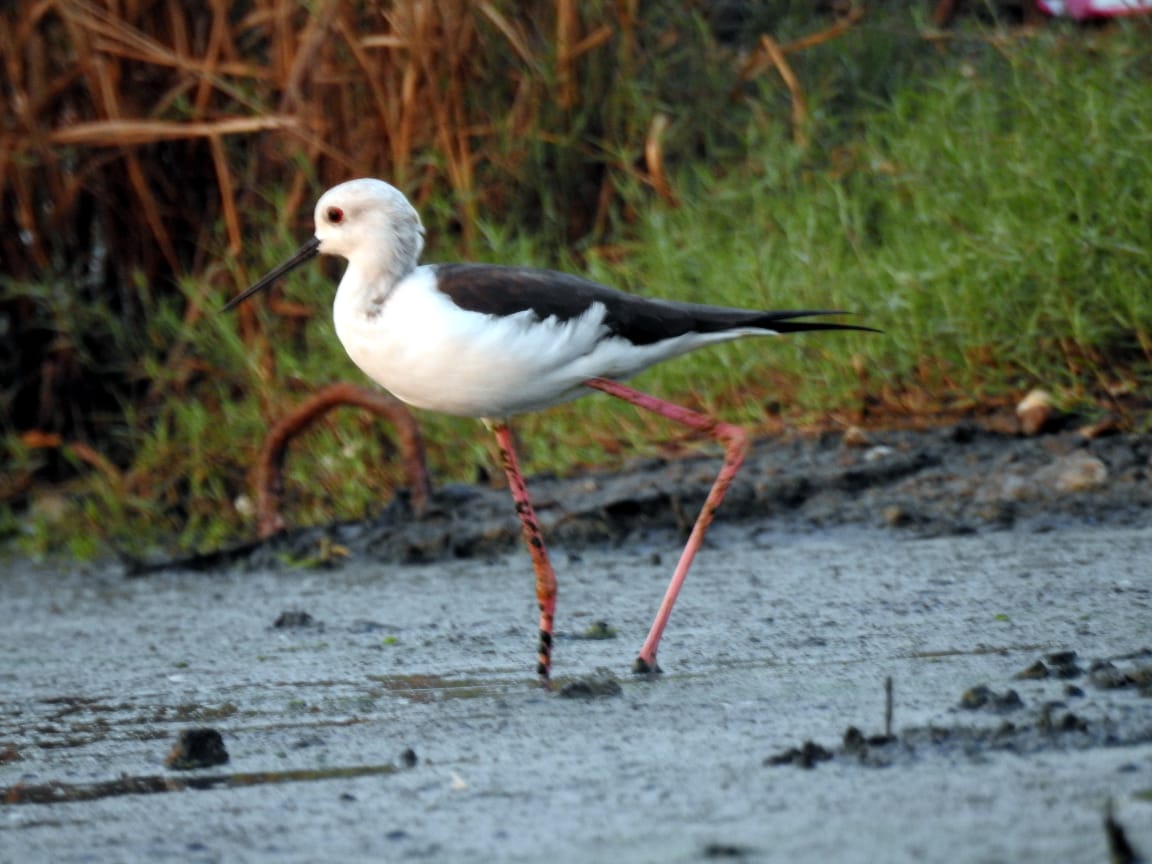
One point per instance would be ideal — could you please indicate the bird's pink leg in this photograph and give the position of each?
(545, 577)
(735, 442)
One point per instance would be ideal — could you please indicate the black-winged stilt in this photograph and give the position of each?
(486, 341)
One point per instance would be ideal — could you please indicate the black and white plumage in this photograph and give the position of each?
(481, 340)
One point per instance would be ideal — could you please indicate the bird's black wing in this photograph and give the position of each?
(498, 290)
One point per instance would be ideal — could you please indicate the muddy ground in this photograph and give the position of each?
(1002, 584)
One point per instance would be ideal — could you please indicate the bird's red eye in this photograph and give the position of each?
(335, 215)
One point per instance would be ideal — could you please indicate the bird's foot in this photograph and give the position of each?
(651, 668)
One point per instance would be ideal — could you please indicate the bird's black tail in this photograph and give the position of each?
(783, 322)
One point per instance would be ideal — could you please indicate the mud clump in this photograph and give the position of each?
(807, 755)
(197, 748)
(599, 686)
(290, 618)
(982, 696)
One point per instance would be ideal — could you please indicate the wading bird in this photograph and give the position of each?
(485, 341)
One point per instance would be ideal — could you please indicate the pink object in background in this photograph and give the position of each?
(1094, 8)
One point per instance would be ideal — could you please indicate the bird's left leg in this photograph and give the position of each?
(545, 577)
(735, 441)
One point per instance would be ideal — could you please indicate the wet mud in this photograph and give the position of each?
(959, 479)
(935, 646)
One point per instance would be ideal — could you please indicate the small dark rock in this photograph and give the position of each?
(591, 688)
(308, 741)
(1009, 700)
(1034, 672)
(1105, 675)
(1054, 719)
(854, 740)
(1141, 677)
(861, 746)
(805, 756)
(197, 748)
(1073, 723)
(975, 697)
(983, 696)
(811, 753)
(599, 630)
(964, 432)
(724, 850)
(294, 618)
(896, 516)
(1064, 664)
(1005, 730)
(409, 758)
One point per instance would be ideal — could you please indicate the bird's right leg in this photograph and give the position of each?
(534, 540)
(735, 442)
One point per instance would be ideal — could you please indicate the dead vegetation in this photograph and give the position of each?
(131, 128)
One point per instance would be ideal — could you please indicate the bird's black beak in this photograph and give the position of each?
(303, 255)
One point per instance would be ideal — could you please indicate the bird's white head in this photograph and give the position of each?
(369, 217)
(370, 223)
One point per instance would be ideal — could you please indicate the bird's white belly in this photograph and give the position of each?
(431, 354)
(469, 381)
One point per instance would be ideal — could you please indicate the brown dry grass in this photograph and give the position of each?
(154, 116)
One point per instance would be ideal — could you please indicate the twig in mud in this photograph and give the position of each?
(888, 707)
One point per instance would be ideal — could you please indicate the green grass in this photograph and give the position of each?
(988, 211)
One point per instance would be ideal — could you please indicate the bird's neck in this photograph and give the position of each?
(369, 281)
